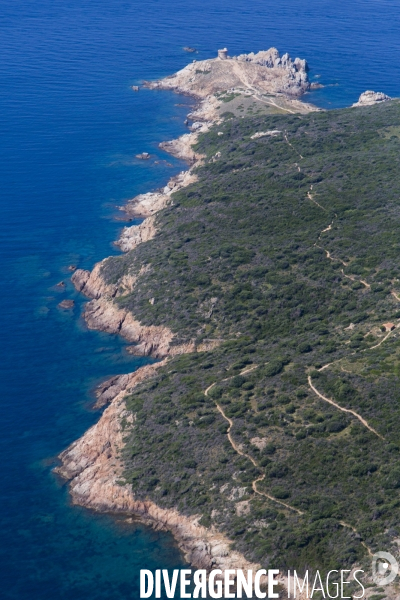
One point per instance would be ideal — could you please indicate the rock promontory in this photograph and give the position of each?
(369, 97)
(262, 72)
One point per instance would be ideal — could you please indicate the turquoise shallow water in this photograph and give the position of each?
(70, 126)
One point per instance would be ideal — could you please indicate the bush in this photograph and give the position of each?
(273, 368)
(304, 347)
(238, 381)
(280, 492)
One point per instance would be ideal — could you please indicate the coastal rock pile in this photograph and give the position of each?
(369, 97)
(272, 59)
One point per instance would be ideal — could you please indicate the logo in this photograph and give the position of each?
(384, 568)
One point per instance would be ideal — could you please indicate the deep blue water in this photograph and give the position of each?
(70, 126)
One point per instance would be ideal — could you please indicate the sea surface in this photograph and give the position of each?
(70, 126)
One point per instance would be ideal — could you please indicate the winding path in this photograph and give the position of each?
(328, 255)
(248, 456)
(345, 410)
(256, 94)
(314, 389)
(310, 197)
(255, 463)
(381, 342)
(354, 278)
(293, 148)
(344, 524)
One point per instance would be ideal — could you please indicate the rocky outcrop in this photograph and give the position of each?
(264, 72)
(145, 205)
(272, 59)
(66, 304)
(182, 146)
(109, 389)
(94, 467)
(368, 98)
(136, 234)
(102, 314)
(92, 284)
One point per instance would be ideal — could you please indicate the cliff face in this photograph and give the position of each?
(92, 284)
(264, 72)
(93, 466)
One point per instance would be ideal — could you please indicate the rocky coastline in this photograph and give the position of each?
(92, 464)
(93, 467)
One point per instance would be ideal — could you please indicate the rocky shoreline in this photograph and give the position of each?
(92, 464)
(93, 467)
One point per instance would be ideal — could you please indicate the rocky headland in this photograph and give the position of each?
(262, 72)
(93, 464)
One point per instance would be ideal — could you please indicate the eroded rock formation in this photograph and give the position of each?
(369, 97)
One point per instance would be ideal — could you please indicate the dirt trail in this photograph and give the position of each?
(255, 463)
(354, 278)
(254, 486)
(346, 410)
(241, 453)
(328, 255)
(381, 342)
(327, 229)
(272, 103)
(291, 145)
(344, 524)
(309, 196)
(243, 78)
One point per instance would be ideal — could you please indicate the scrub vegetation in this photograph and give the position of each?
(286, 254)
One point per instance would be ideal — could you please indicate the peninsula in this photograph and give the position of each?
(266, 279)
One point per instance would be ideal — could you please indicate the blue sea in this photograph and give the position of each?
(70, 127)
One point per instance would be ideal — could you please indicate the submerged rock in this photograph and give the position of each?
(66, 304)
(143, 156)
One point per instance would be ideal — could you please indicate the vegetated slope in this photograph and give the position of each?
(286, 251)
